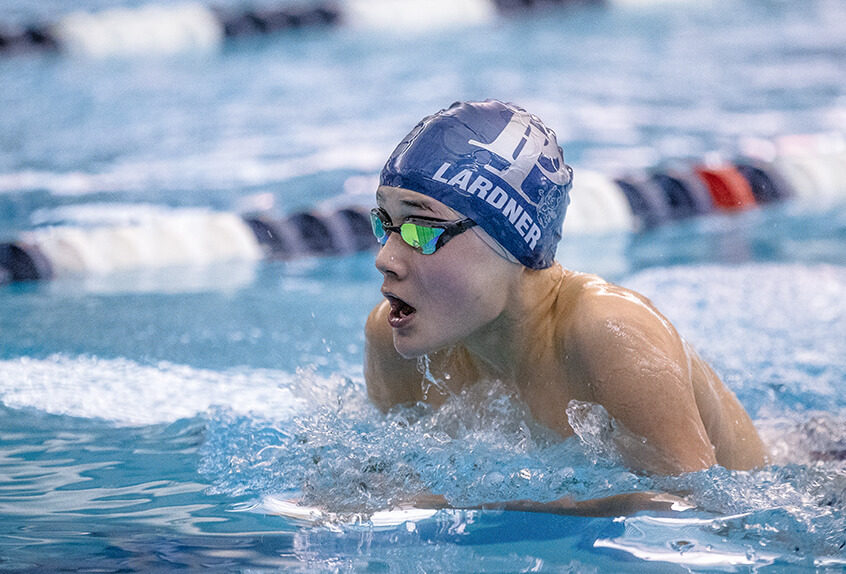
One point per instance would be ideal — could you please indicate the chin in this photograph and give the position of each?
(412, 348)
(408, 349)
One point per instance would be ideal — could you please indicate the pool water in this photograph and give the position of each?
(153, 419)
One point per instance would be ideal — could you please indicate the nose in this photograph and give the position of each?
(392, 257)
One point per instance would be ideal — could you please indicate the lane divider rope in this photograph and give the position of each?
(599, 204)
(171, 28)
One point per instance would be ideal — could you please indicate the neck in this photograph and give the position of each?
(502, 347)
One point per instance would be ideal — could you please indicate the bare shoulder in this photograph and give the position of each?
(614, 334)
(627, 357)
(602, 314)
(391, 379)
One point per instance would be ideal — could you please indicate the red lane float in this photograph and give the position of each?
(729, 189)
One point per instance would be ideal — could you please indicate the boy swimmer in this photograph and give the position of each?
(470, 210)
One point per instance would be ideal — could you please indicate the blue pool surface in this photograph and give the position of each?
(153, 419)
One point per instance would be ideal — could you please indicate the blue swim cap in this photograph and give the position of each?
(495, 163)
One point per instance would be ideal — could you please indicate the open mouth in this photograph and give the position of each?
(401, 311)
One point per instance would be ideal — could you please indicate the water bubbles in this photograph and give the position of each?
(593, 425)
(816, 437)
(429, 380)
(480, 446)
(494, 479)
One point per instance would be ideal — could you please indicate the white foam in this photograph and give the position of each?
(152, 29)
(418, 15)
(157, 239)
(127, 393)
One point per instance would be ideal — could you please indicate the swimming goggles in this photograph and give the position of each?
(423, 234)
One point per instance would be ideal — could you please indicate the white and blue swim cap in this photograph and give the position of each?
(496, 164)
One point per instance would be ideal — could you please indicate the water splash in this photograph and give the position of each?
(595, 427)
(429, 380)
(480, 446)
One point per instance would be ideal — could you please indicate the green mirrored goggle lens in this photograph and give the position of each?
(420, 237)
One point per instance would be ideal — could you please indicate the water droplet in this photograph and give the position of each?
(429, 379)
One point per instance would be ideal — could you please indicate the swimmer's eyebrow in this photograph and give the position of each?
(414, 204)
(408, 203)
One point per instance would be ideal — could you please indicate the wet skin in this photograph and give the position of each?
(554, 336)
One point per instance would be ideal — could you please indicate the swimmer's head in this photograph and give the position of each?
(496, 164)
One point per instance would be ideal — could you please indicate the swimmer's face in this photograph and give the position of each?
(447, 297)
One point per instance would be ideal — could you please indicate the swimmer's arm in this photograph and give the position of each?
(633, 363)
(390, 378)
(616, 505)
(736, 441)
